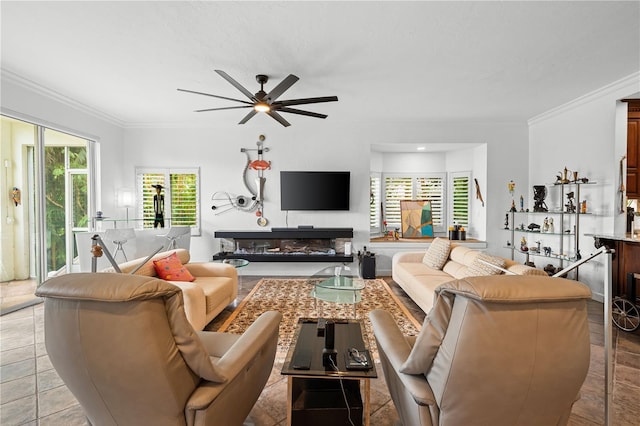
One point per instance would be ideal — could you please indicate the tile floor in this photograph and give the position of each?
(31, 393)
(15, 295)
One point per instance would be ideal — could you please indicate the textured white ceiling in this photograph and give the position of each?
(386, 61)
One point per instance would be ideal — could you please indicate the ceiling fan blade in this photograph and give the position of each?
(248, 116)
(223, 108)
(301, 112)
(306, 101)
(281, 87)
(280, 119)
(237, 85)
(215, 96)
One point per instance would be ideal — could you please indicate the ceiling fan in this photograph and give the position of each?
(267, 102)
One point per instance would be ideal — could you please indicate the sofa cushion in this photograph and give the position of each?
(171, 269)
(520, 269)
(437, 253)
(478, 268)
(148, 269)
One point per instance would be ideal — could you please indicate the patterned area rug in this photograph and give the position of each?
(292, 297)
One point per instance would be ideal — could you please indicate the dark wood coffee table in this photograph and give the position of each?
(315, 395)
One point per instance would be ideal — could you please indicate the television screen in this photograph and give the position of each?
(314, 190)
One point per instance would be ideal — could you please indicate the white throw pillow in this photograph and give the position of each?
(437, 253)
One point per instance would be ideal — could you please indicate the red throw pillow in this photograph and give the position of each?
(171, 269)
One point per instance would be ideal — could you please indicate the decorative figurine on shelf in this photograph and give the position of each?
(158, 207)
(547, 251)
(523, 244)
(571, 207)
(512, 187)
(539, 194)
(513, 206)
(583, 206)
(533, 227)
(551, 228)
(396, 234)
(506, 221)
(521, 204)
(545, 225)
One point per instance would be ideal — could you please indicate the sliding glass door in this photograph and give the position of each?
(51, 171)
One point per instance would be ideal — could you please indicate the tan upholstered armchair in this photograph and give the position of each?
(123, 346)
(498, 350)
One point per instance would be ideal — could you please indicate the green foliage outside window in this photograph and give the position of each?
(56, 159)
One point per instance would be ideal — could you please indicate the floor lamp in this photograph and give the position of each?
(125, 197)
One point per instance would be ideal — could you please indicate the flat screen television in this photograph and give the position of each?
(314, 190)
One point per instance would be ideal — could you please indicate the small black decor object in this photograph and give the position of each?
(158, 207)
(534, 227)
(329, 354)
(539, 194)
(571, 206)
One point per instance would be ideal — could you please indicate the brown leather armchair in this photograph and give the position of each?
(493, 350)
(123, 346)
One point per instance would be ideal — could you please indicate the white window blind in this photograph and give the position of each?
(181, 189)
(460, 197)
(375, 214)
(432, 189)
(395, 190)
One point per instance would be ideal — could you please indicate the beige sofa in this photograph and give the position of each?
(419, 281)
(215, 285)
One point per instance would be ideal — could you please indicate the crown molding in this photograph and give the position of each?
(632, 82)
(32, 86)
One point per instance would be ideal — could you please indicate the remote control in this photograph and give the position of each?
(302, 359)
(322, 323)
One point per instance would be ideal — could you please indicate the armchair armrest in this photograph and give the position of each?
(242, 352)
(194, 303)
(212, 269)
(396, 348)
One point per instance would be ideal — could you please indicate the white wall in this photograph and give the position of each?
(315, 145)
(586, 136)
(414, 162)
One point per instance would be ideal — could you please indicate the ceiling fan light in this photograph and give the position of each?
(262, 107)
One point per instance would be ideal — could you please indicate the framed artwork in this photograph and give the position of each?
(417, 221)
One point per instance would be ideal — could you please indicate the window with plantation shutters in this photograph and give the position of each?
(414, 187)
(460, 198)
(181, 189)
(375, 214)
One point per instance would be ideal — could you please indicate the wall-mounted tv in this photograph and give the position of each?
(314, 190)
